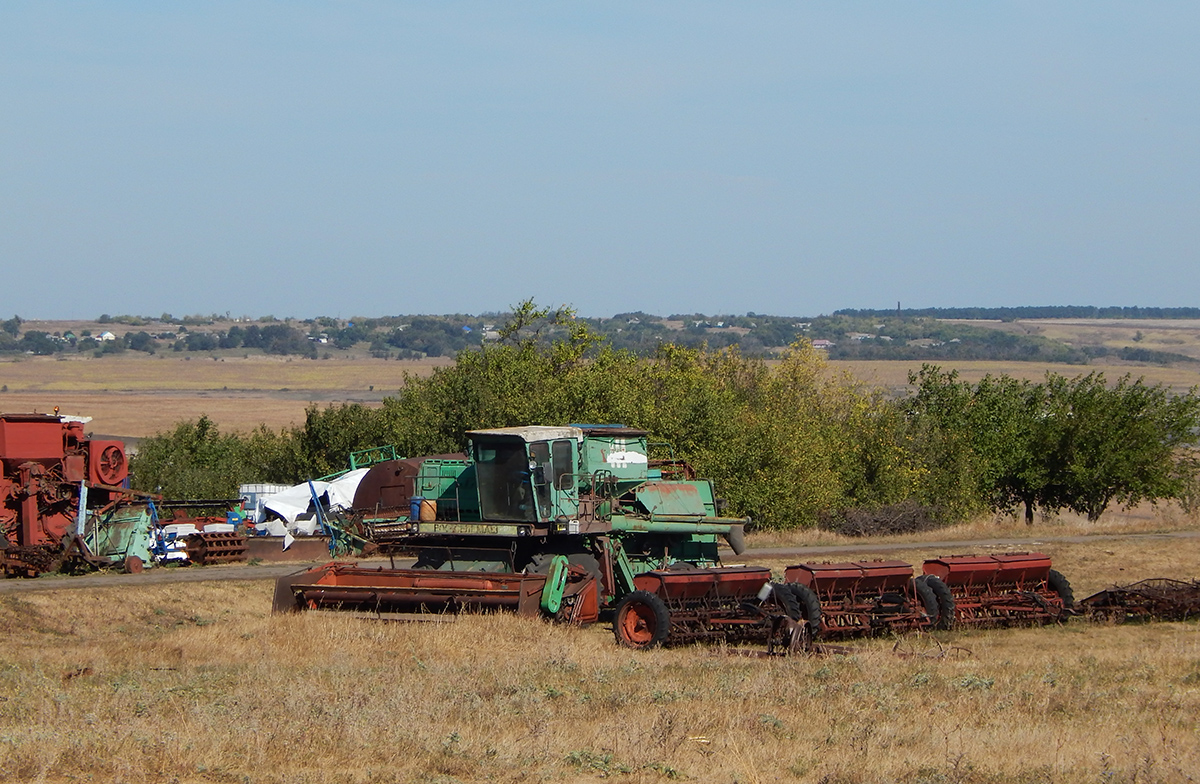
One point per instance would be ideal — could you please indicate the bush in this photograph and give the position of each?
(906, 517)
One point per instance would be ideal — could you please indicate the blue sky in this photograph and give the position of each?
(374, 158)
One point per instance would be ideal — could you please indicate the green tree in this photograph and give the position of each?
(192, 461)
(1124, 443)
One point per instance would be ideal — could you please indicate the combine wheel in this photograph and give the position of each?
(1062, 587)
(133, 565)
(810, 605)
(945, 600)
(641, 621)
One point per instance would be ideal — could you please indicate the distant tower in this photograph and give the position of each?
(897, 308)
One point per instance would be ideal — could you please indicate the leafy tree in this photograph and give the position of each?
(1121, 443)
(192, 461)
(12, 326)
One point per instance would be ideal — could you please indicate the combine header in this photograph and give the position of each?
(574, 521)
(1001, 590)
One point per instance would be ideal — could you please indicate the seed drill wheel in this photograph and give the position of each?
(787, 600)
(944, 615)
(641, 621)
(808, 604)
(1062, 587)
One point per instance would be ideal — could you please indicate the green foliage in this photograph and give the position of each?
(1065, 443)
(192, 461)
(784, 445)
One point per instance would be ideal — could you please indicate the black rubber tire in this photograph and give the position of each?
(810, 605)
(787, 600)
(945, 600)
(641, 621)
(1061, 586)
(928, 600)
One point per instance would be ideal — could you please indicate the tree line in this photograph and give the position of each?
(789, 445)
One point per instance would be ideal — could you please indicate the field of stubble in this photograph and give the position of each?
(199, 682)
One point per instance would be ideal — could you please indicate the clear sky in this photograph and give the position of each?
(373, 158)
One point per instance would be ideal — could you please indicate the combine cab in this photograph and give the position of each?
(866, 597)
(1002, 590)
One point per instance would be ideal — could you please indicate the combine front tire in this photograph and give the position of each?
(641, 621)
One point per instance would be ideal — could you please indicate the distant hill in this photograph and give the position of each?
(1033, 334)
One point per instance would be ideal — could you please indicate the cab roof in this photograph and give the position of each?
(531, 433)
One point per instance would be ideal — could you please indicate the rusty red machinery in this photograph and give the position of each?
(863, 598)
(732, 605)
(52, 477)
(1001, 590)
(1159, 599)
(565, 593)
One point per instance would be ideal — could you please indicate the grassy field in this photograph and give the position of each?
(1179, 336)
(199, 683)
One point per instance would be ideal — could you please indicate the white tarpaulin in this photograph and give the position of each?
(297, 501)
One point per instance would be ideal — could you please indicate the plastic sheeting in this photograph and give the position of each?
(296, 502)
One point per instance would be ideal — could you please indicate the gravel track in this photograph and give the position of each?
(271, 571)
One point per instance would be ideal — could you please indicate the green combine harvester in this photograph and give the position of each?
(569, 522)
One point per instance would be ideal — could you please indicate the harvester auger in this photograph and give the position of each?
(538, 518)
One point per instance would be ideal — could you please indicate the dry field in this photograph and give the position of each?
(138, 396)
(1180, 336)
(199, 683)
(135, 395)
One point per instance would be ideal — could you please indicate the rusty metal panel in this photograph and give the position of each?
(667, 499)
(30, 437)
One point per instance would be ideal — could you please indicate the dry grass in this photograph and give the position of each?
(198, 682)
(137, 396)
(133, 372)
(1145, 518)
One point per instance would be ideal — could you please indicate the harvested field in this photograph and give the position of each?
(198, 682)
(137, 396)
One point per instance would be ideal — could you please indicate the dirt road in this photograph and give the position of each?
(274, 570)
